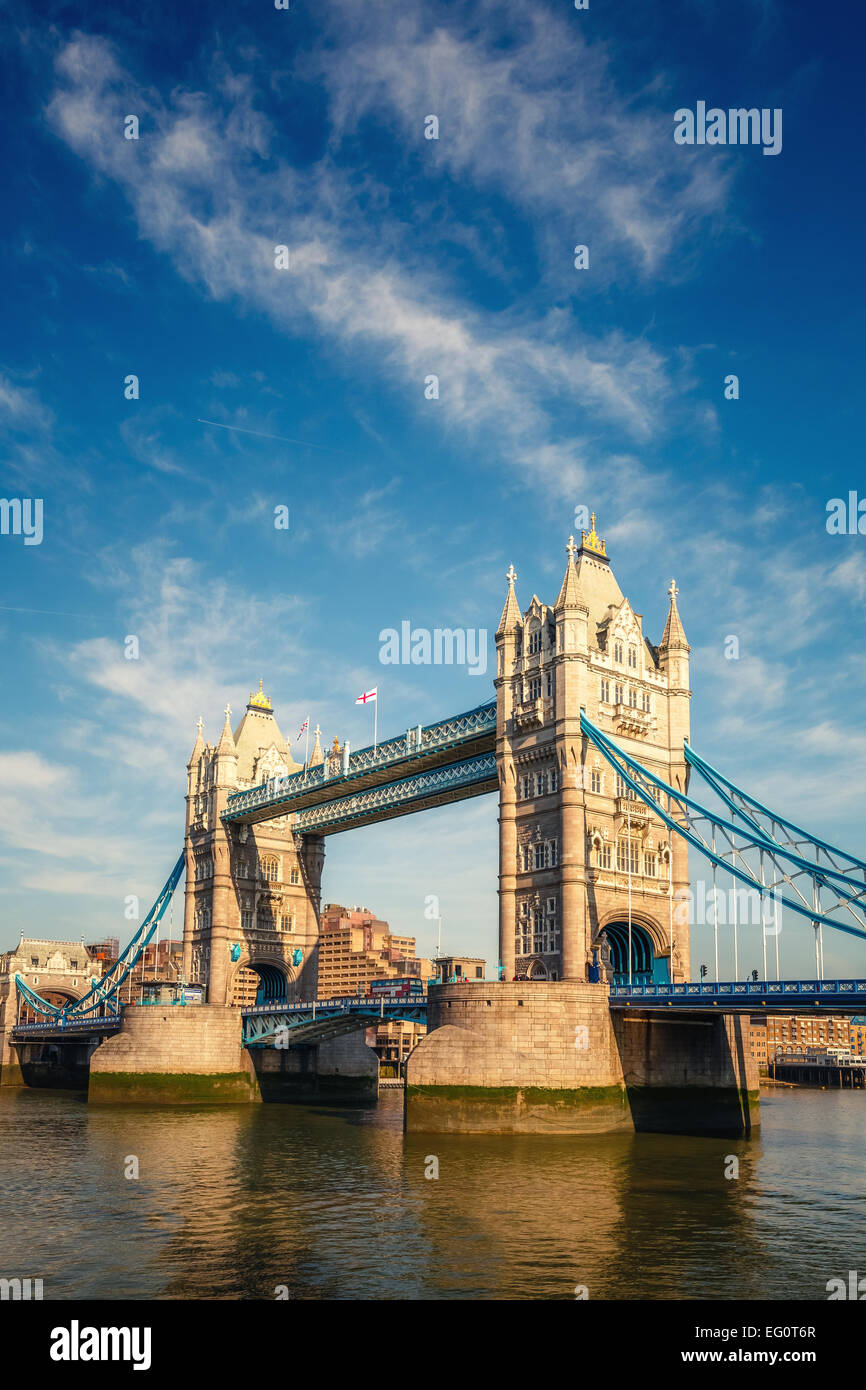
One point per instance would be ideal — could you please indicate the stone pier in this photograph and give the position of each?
(174, 1056)
(550, 1057)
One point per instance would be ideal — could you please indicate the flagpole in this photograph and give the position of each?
(375, 719)
(307, 753)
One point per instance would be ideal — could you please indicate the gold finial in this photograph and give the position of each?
(260, 700)
(590, 540)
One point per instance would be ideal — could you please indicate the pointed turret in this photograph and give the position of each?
(674, 637)
(198, 746)
(570, 595)
(511, 615)
(226, 745)
(316, 757)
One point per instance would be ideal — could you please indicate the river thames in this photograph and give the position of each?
(319, 1203)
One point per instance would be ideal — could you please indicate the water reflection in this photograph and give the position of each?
(232, 1202)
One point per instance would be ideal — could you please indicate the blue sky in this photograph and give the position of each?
(558, 388)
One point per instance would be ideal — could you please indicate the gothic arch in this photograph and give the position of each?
(275, 974)
(657, 932)
(650, 956)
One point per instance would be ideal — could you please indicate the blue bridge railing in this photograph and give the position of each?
(744, 993)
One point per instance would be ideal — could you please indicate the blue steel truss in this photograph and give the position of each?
(774, 827)
(469, 777)
(824, 894)
(745, 995)
(419, 744)
(302, 1024)
(103, 995)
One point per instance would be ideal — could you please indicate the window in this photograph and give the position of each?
(534, 640)
(294, 874)
(527, 858)
(595, 780)
(617, 694)
(649, 864)
(73, 965)
(539, 855)
(270, 869)
(627, 852)
(554, 779)
(549, 684)
(246, 921)
(527, 787)
(632, 697)
(604, 856)
(617, 651)
(605, 692)
(646, 702)
(541, 784)
(34, 960)
(552, 853)
(632, 658)
(535, 688)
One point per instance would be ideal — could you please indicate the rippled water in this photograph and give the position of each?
(232, 1202)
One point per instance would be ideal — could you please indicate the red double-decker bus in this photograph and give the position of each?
(405, 987)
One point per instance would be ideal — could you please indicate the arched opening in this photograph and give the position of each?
(537, 971)
(52, 995)
(646, 967)
(271, 986)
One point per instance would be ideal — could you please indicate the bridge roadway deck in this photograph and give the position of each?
(326, 1018)
(422, 749)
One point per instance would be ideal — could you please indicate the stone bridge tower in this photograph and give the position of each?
(584, 867)
(252, 891)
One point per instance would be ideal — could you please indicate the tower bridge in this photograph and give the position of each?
(595, 1021)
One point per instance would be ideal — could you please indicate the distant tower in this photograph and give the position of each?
(252, 891)
(575, 849)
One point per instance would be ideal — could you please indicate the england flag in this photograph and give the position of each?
(368, 696)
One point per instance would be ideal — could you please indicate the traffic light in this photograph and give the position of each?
(754, 974)
(704, 969)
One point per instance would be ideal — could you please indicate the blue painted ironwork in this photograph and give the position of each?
(772, 826)
(744, 995)
(103, 994)
(425, 745)
(833, 899)
(66, 1027)
(306, 1022)
(472, 776)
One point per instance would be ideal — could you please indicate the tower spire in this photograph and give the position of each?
(227, 742)
(511, 615)
(570, 595)
(198, 746)
(674, 637)
(316, 756)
